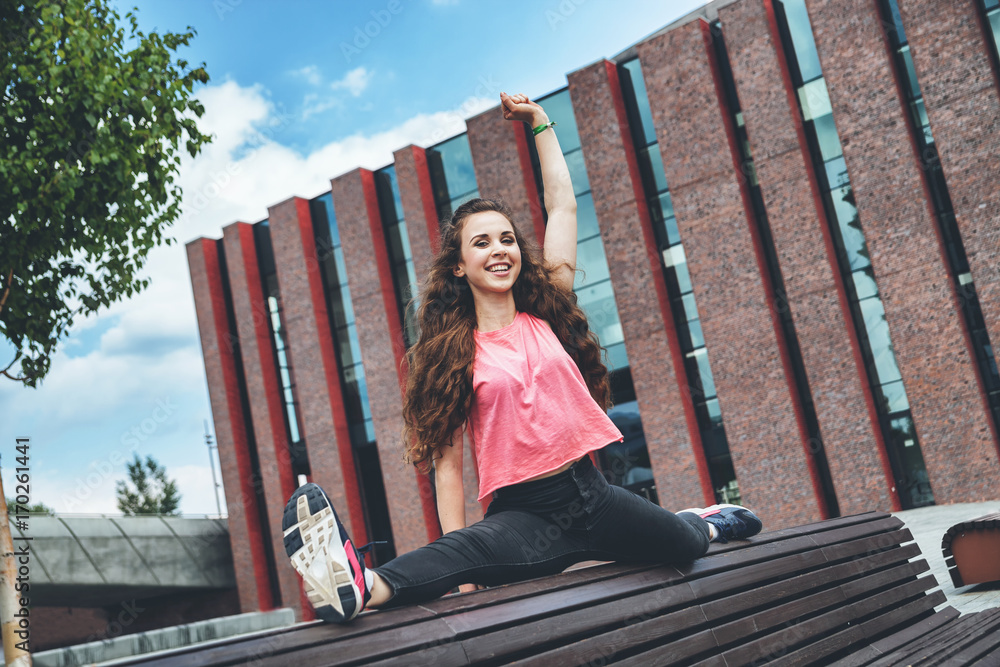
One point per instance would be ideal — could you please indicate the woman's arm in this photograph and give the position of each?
(450, 488)
(559, 248)
(451, 491)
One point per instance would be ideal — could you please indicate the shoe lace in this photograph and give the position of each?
(729, 526)
(368, 547)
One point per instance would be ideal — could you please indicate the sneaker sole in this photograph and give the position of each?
(312, 541)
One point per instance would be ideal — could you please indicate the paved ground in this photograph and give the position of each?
(928, 525)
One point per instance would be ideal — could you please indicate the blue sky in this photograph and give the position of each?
(300, 92)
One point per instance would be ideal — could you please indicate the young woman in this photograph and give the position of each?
(506, 356)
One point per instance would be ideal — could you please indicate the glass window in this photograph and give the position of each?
(452, 173)
(591, 263)
(894, 396)
(875, 323)
(815, 100)
(826, 136)
(694, 331)
(836, 172)
(911, 73)
(707, 384)
(656, 166)
(586, 217)
(598, 302)
(675, 260)
(800, 31)
(578, 172)
(864, 283)
(673, 234)
(617, 357)
(647, 129)
(559, 108)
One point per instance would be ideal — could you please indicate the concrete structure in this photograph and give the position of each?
(788, 233)
(98, 578)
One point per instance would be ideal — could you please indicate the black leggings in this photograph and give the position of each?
(542, 527)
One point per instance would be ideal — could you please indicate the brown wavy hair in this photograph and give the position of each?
(439, 382)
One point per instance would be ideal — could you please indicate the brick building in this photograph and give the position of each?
(789, 240)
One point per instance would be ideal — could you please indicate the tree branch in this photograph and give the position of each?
(12, 377)
(6, 291)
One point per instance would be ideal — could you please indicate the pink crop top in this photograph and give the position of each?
(531, 410)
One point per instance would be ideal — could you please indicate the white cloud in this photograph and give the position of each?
(354, 81)
(98, 407)
(310, 73)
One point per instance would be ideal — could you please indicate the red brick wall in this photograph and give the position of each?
(503, 168)
(312, 355)
(951, 56)
(668, 419)
(830, 354)
(765, 440)
(411, 504)
(217, 347)
(264, 392)
(419, 209)
(906, 253)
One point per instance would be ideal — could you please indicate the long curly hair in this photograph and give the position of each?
(439, 382)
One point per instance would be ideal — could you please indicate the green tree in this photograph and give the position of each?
(148, 490)
(37, 508)
(91, 127)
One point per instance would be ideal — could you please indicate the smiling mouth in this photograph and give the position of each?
(499, 268)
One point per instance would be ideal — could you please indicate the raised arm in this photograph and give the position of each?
(559, 247)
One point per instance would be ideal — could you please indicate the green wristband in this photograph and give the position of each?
(541, 128)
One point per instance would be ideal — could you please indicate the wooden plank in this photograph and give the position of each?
(785, 587)
(365, 649)
(898, 639)
(564, 628)
(234, 650)
(827, 648)
(736, 633)
(927, 646)
(988, 641)
(625, 611)
(830, 622)
(967, 634)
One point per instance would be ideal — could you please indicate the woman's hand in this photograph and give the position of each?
(519, 107)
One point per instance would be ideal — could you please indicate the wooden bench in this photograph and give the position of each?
(847, 591)
(972, 550)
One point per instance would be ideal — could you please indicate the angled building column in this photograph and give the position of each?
(266, 403)
(906, 253)
(314, 358)
(423, 229)
(730, 284)
(219, 346)
(412, 509)
(417, 196)
(669, 422)
(962, 99)
(819, 306)
(502, 160)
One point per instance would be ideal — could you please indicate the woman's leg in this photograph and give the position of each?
(504, 547)
(629, 527)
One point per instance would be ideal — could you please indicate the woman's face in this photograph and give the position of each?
(490, 257)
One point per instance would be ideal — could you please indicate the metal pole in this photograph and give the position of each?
(211, 464)
(9, 606)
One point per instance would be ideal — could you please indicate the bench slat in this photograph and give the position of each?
(898, 639)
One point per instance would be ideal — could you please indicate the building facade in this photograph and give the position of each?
(789, 241)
